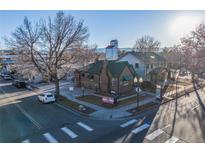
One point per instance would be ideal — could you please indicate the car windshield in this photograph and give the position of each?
(49, 95)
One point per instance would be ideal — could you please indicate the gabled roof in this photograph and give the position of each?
(95, 68)
(115, 68)
(147, 57)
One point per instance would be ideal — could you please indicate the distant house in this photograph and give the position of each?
(150, 66)
(106, 77)
(7, 59)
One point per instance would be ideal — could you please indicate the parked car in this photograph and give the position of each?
(7, 77)
(46, 98)
(19, 84)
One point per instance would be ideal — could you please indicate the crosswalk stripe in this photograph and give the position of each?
(128, 123)
(50, 138)
(172, 140)
(88, 128)
(154, 134)
(25, 141)
(69, 132)
(141, 128)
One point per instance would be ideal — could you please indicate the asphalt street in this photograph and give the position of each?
(24, 119)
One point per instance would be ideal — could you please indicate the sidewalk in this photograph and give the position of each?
(104, 113)
(101, 112)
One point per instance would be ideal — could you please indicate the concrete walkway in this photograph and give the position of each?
(100, 112)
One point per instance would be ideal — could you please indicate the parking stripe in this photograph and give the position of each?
(154, 134)
(26, 141)
(69, 132)
(50, 138)
(86, 127)
(172, 140)
(141, 128)
(128, 123)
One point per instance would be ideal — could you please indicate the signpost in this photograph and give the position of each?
(158, 92)
(138, 90)
(71, 89)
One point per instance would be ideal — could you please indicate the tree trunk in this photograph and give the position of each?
(57, 88)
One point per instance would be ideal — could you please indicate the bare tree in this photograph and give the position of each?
(174, 56)
(49, 44)
(146, 44)
(88, 54)
(193, 47)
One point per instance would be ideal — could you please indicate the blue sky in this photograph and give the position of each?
(126, 26)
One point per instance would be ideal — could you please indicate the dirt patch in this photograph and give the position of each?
(75, 106)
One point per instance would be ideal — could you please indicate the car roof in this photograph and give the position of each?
(47, 93)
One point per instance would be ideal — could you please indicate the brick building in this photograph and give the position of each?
(106, 77)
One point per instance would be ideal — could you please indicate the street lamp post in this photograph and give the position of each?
(83, 91)
(138, 90)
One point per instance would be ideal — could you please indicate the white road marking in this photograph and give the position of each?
(25, 141)
(50, 138)
(154, 134)
(69, 132)
(141, 128)
(172, 140)
(86, 127)
(29, 117)
(128, 123)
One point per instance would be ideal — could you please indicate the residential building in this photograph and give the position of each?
(106, 77)
(7, 59)
(150, 66)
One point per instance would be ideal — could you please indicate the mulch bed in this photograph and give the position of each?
(75, 106)
(98, 101)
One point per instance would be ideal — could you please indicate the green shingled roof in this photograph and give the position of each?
(115, 68)
(95, 68)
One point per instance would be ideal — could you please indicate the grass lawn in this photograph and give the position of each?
(98, 101)
(74, 105)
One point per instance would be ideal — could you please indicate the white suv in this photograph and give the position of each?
(46, 98)
(7, 77)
